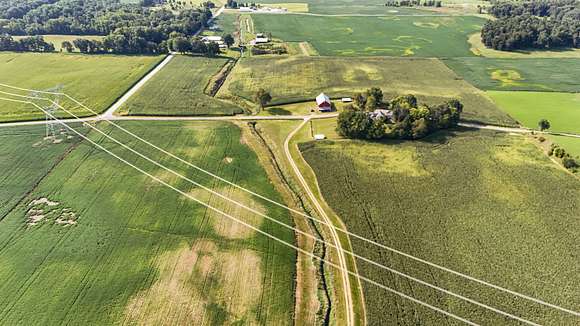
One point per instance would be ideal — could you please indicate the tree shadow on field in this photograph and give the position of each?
(278, 111)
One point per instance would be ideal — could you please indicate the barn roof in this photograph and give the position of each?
(322, 98)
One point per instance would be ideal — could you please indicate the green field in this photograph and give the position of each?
(490, 205)
(375, 36)
(346, 7)
(295, 79)
(182, 83)
(97, 81)
(547, 74)
(561, 109)
(97, 243)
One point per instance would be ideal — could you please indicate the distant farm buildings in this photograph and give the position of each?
(260, 39)
(323, 103)
(215, 39)
(381, 114)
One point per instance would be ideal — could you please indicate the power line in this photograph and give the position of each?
(403, 295)
(482, 305)
(468, 277)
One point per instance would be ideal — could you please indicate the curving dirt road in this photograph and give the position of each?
(341, 257)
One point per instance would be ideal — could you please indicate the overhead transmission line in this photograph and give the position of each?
(354, 235)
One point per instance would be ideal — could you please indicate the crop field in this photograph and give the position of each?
(95, 80)
(548, 74)
(83, 247)
(296, 79)
(478, 48)
(338, 7)
(561, 109)
(375, 36)
(182, 83)
(490, 205)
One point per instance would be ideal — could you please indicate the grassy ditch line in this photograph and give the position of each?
(313, 302)
(358, 308)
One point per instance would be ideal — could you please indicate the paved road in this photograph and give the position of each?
(341, 256)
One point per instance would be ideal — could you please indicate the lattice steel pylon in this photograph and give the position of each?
(50, 109)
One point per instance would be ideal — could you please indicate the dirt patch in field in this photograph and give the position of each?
(200, 285)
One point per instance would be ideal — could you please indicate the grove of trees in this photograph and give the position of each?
(544, 24)
(404, 117)
(129, 28)
(30, 44)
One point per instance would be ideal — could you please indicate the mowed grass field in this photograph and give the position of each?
(547, 74)
(178, 89)
(297, 79)
(561, 109)
(95, 80)
(375, 36)
(492, 206)
(96, 242)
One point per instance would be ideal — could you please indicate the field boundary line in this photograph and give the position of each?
(240, 221)
(337, 245)
(421, 260)
(330, 225)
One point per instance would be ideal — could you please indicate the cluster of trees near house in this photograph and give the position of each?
(413, 3)
(408, 118)
(129, 28)
(30, 44)
(542, 24)
(235, 5)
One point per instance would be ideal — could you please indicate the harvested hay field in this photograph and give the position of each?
(128, 250)
(298, 79)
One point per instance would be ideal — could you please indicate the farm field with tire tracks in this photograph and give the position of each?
(375, 36)
(106, 244)
(182, 83)
(473, 201)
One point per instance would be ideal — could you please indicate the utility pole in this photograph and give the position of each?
(50, 109)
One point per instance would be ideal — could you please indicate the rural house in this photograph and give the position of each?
(323, 103)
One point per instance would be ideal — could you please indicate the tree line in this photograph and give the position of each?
(413, 3)
(129, 28)
(28, 44)
(543, 24)
(403, 117)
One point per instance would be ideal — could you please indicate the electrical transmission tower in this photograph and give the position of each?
(50, 109)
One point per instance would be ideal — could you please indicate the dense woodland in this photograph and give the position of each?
(543, 24)
(129, 28)
(402, 117)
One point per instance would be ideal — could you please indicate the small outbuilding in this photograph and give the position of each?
(346, 100)
(319, 137)
(323, 103)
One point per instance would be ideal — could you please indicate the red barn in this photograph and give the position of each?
(323, 103)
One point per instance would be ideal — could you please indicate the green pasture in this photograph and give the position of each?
(542, 74)
(95, 80)
(561, 109)
(178, 89)
(375, 36)
(112, 246)
(489, 205)
(299, 79)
